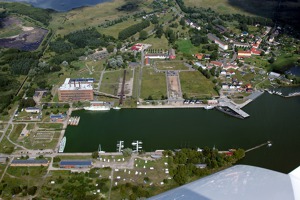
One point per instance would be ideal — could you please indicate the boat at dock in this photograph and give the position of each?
(62, 145)
(117, 108)
(208, 107)
(97, 106)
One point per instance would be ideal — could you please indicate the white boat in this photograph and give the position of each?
(208, 107)
(117, 108)
(97, 106)
(62, 145)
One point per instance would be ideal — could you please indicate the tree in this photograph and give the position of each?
(32, 190)
(56, 159)
(110, 48)
(127, 152)
(143, 35)
(95, 154)
(181, 175)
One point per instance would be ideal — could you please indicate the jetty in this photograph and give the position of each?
(234, 108)
(74, 121)
(258, 146)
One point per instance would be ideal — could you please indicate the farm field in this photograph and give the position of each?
(194, 84)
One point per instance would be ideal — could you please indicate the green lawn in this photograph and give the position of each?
(284, 61)
(153, 84)
(186, 46)
(170, 65)
(50, 125)
(194, 84)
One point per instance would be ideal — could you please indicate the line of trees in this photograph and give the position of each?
(131, 30)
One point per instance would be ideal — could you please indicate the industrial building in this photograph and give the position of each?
(75, 164)
(76, 90)
(29, 163)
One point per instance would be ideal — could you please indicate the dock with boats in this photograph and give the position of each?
(74, 121)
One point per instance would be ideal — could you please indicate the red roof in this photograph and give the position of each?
(216, 63)
(255, 51)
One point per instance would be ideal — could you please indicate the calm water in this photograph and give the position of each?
(271, 118)
(60, 5)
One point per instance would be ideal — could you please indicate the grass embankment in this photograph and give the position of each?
(153, 84)
(284, 62)
(194, 84)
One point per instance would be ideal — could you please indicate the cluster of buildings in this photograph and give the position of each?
(76, 90)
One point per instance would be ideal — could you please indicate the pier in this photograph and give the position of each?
(258, 146)
(74, 121)
(234, 108)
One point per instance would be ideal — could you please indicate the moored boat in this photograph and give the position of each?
(97, 106)
(208, 107)
(62, 145)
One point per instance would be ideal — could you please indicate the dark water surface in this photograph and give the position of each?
(60, 5)
(271, 118)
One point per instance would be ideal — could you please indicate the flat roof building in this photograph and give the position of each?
(76, 90)
(29, 163)
(75, 164)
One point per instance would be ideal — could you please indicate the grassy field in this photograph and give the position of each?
(41, 140)
(68, 184)
(157, 43)
(170, 65)
(194, 84)
(253, 7)
(186, 46)
(50, 125)
(111, 80)
(142, 176)
(86, 17)
(115, 29)
(21, 176)
(153, 84)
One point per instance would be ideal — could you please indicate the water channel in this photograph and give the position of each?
(271, 118)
